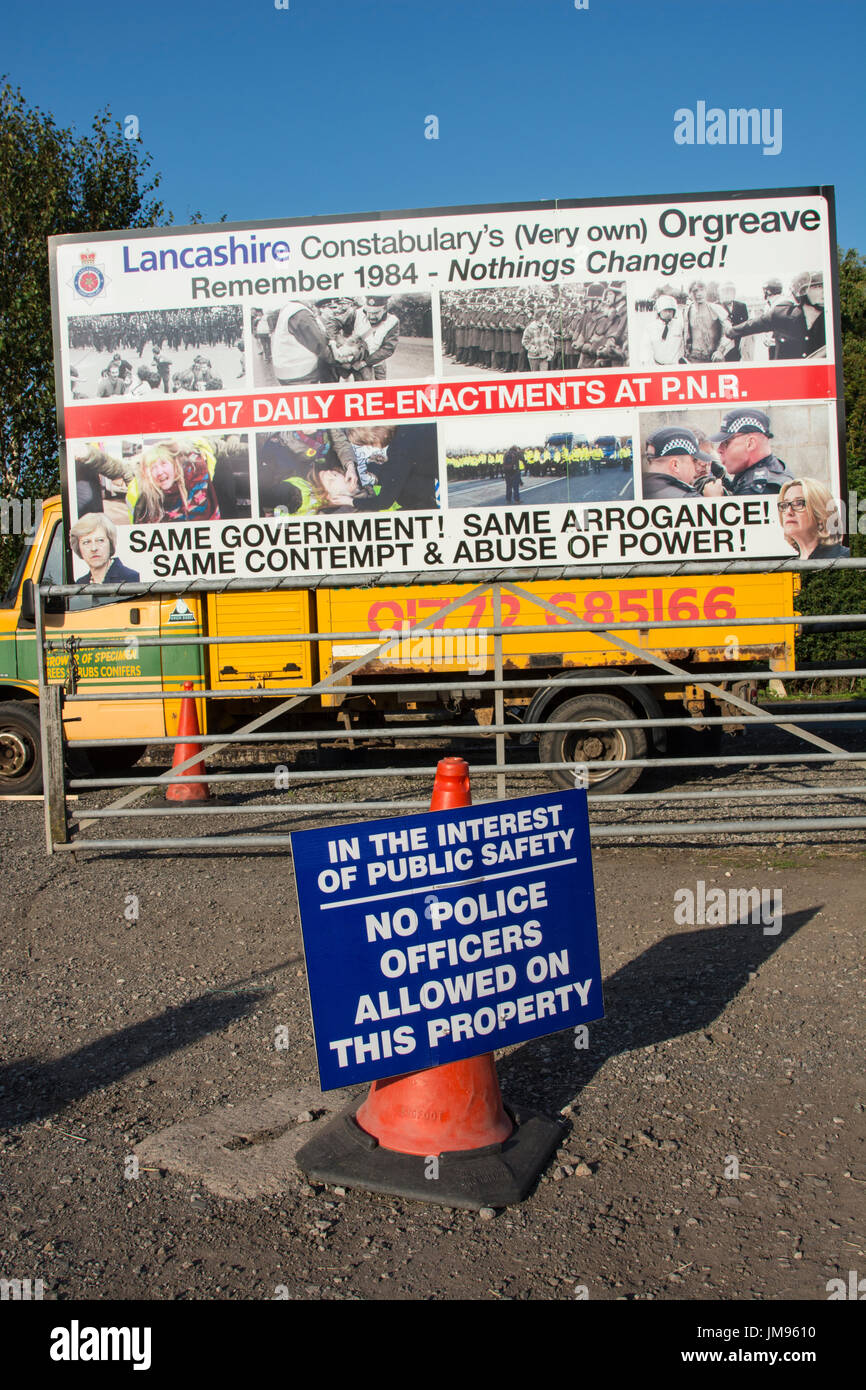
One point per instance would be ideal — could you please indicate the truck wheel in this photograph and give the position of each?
(574, 745)
(20, 749)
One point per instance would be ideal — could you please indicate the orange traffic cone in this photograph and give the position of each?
(454, 1107)
(187, 728)
(484, 1155)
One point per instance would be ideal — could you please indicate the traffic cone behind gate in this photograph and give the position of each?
(485, 1156)
(451, 785)
(187, 728)
(457, 1106)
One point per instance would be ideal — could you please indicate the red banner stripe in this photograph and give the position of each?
(331, 404)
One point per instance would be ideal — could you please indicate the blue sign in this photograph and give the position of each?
(440, 936)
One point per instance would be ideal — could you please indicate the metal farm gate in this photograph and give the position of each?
(844, 784)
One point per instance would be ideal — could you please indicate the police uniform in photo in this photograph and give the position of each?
(770, 473)
(673, 439)
(798, 327)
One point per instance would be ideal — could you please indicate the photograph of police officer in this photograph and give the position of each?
(534, 328)
(746, 317)
(796, 322)
(751, 451)
(365, 337)
(674, 463)
(746, 454)
(155, 352)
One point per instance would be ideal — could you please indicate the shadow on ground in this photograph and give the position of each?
(682, 984)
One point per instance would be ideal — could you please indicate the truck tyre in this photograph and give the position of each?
(20, 749)
(573, 745)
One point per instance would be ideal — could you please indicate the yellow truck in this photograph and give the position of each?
(97, 647)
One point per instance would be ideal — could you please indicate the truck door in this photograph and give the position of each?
(115, 663)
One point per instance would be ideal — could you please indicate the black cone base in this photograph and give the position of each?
(496, 1176)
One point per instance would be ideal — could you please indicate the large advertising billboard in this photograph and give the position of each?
(536, 386)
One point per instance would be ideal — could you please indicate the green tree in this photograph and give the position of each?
(52, 181)
(845, 592)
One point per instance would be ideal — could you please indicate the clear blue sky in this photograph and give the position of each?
(257, 112)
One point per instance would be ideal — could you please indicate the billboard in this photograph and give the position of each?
(543, 385)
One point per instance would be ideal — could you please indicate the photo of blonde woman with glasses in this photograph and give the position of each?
(809, 518)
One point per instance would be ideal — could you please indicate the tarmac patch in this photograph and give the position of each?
(243, 1151)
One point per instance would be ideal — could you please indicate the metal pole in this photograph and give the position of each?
(57, 825)
(51, 741)
(499, 696)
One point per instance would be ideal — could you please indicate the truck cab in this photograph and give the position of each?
(121, 664)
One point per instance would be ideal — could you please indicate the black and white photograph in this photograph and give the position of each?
(155, 352)
(161, 479)
(522, 460)
(747, 450)
(535, 328)
(363, 468)
(777, 317)
(373, 337)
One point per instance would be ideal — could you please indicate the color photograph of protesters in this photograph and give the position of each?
(154, 350)
(93, 539)
(164, 479)
(285, 461)
(509, 461)
(370, 337)
(361, 468)
(174, 482)
(534, 328)
(191, 478)
(745, 451)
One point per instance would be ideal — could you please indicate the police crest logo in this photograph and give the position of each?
(89, 279)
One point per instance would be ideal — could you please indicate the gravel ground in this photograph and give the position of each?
(723, 1049)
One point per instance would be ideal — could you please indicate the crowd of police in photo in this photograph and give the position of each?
(537, 329)
(551, 459)
(584, 327)
(378, 467)
(163, 341)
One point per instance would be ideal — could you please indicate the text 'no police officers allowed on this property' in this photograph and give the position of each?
(440, 936)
